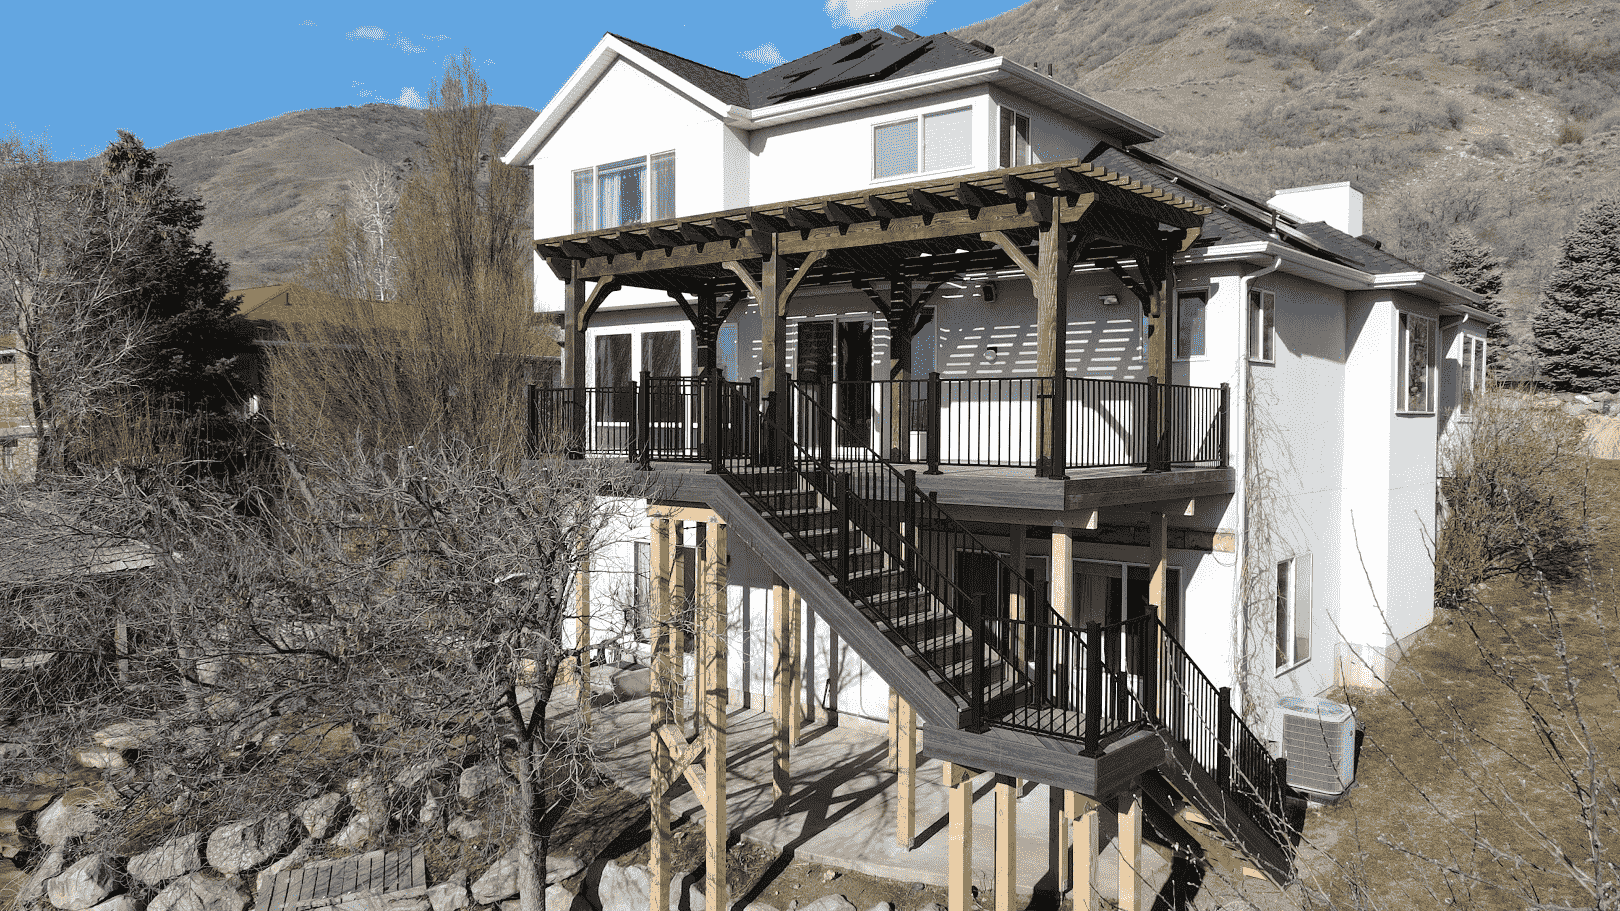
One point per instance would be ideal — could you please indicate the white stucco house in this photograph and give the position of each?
(1281, 526)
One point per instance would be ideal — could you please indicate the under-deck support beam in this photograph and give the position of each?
(582, 634)
(1085, 896)
(785, 707)
(1063, 601)
(665, 690)
(905, 824)
(716, 831)
(1131, 886)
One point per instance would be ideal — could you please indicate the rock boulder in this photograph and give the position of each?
(175, 857)
(624, 888)
(200, 891)
(249, 844)
(500, 880)
(84, 884)
(451, 895)
(319, 813)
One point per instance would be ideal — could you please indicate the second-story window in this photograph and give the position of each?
(1415, 384)
(919, 145)
(624, 192)
(1014, 139)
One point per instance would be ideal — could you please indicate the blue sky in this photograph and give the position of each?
(165, 71)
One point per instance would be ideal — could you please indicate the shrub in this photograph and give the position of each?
(1571, 134)
(1513, 480)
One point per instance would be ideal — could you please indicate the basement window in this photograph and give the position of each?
(919, 145)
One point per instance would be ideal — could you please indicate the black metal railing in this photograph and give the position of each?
(980, 421)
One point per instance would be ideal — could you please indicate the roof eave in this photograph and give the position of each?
(1451, 297)
(607, 52)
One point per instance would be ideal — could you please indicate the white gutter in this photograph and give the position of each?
(1242, 544)
(1451, 297)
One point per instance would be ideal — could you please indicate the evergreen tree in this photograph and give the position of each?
(1477, 268)
(174, 283)
(1577, 327)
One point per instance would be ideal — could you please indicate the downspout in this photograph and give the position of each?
(1242, 545)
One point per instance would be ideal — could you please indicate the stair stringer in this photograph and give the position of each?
(897, 670)
(1232, 826)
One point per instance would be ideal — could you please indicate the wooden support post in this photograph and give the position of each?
(572, 344)
(1006, 843)
(893, 757)
(663, 688)
(783, 702)
(959, 850)
(905, 824)
(1085, 896)
(582, 634)
(1017, 608)
(121, 647)
(1158, 561)
(1063, 601)
(716, 830)
(795, 639)
(1051, 287)
(773, 280)
(1057, 839)
(1131, 887)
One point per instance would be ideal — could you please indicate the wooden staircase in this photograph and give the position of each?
(1094, 710)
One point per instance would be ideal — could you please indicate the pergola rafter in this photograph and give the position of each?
(912, 238)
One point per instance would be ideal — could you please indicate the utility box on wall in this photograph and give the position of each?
(1319, 742)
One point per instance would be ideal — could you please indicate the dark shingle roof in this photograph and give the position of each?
(727, 87)
(859, 59)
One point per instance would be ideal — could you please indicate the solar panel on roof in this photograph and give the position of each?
(868, 61)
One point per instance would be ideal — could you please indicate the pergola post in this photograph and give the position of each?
(572, 344)
(1162, 283)
(1051, 286)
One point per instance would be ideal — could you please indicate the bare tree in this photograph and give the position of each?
(62, 249)
(447, 353)
(411, 610)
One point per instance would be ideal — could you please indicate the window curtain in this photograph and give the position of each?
(894, 149)
(948, 140)
(619, 192)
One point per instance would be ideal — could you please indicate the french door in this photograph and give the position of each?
(840, 352)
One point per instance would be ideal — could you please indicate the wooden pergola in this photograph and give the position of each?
(898, 245)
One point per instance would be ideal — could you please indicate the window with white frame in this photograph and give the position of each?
(940, 141)
(1471, 379)
(1415, 389)
(624, 192)
(8, 455)
(1189, 323)
(1014, 138)
(1262, 326)
(1293, 612)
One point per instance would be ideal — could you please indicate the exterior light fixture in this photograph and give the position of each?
(988, 291)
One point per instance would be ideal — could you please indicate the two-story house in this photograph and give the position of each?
(19, 443)
(1062, 444)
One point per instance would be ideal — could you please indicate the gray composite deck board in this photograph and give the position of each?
(384, 875)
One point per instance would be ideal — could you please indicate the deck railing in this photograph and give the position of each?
(932, 422)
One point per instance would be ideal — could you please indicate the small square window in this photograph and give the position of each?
(1189, 324)
(1262, 326)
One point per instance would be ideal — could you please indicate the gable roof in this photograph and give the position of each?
(849, 74)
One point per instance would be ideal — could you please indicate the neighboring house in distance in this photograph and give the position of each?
(19, 440)
(1151, 395)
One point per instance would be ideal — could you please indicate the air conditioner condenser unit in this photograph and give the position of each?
(1319, 742)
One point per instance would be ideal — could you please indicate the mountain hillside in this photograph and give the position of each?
(1498, 117)
(272, 187)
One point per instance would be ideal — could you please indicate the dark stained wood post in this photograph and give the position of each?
(902, 322)
(1051, 285)
(573, 355)
(773, 373)
(1162, 283)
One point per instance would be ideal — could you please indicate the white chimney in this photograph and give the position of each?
(1338, 204)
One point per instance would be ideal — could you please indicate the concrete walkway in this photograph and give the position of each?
(842, 807)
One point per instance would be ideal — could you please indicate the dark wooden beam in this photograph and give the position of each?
(666, 238)
(887, 209)
(695, 233)
(914, 229)
(977, 197)
(840, 214)
(575, 250)
(603, 246)
(635, 243)
(804, 219)
(767, 224)
(731, 229)
(1021, 187)
(931, 203)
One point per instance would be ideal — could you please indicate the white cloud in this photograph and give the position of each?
(369, 32)
(435, 37)
(407, 98)
(765, 53)
(865, 14)
(307, 22)
(405, 45)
